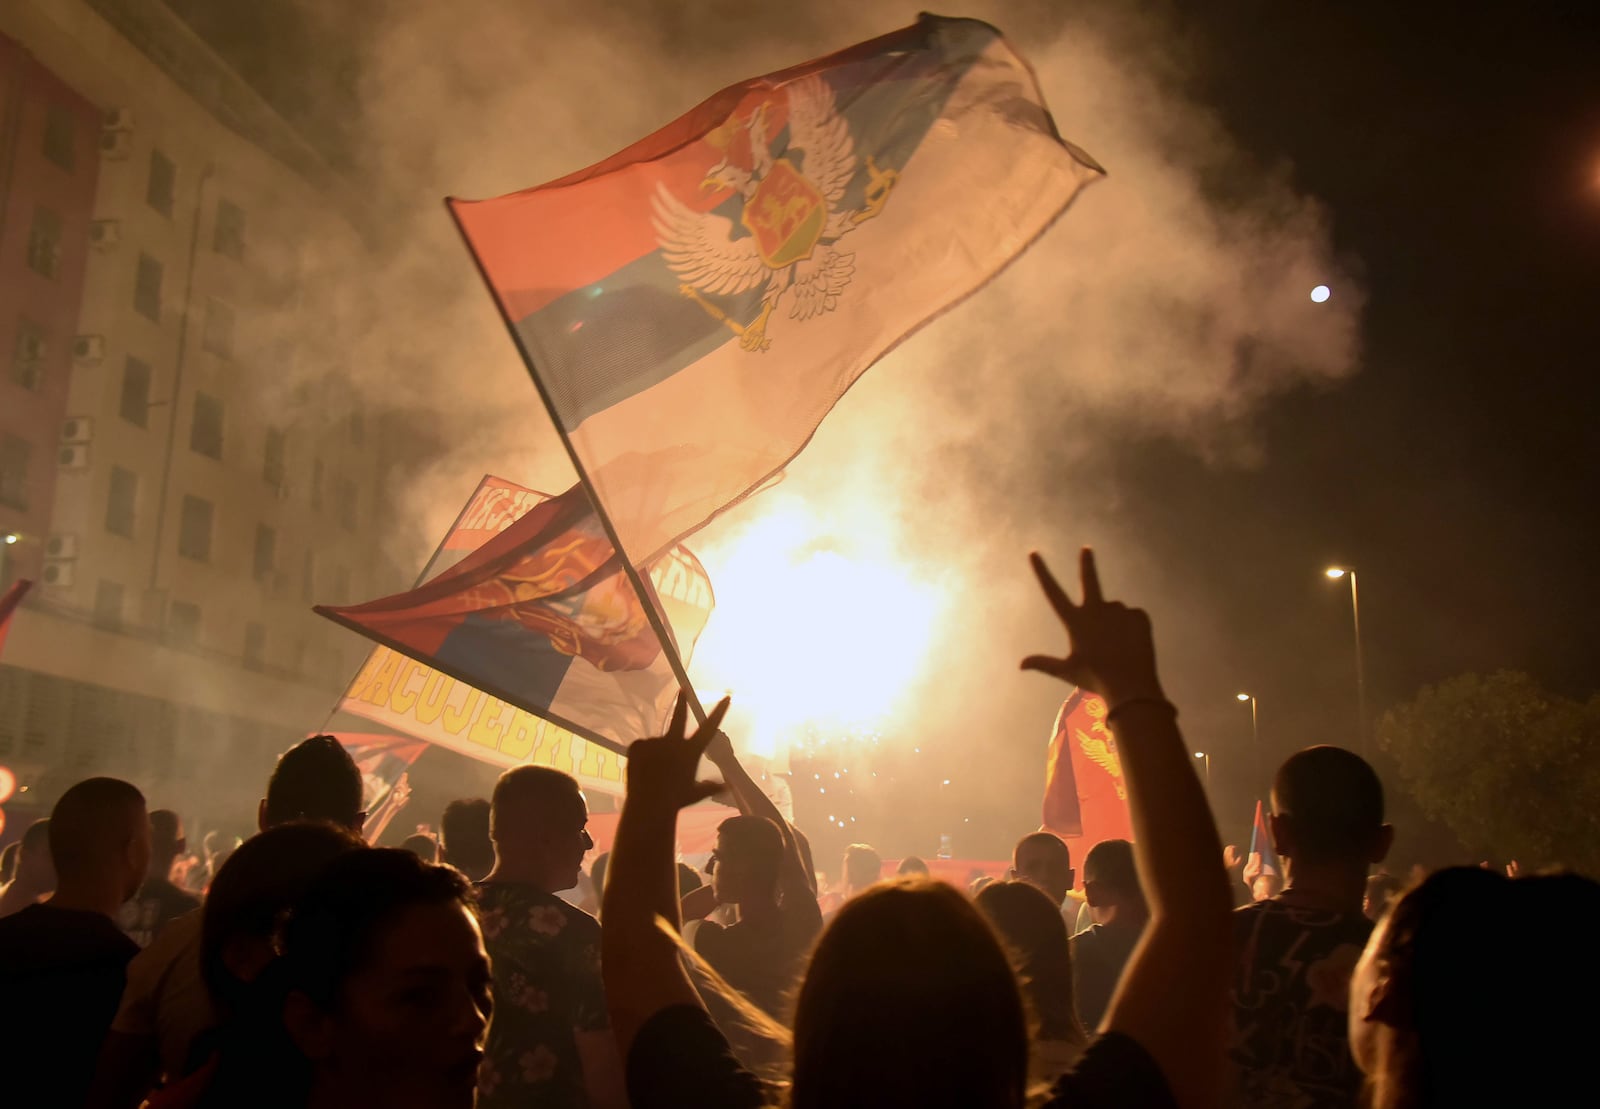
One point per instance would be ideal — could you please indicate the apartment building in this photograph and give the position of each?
(191, 484)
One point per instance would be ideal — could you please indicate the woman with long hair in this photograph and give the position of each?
(1036, 938)
(1439, 1017)
(909, 998)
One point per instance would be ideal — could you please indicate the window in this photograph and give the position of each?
(27, 361)
(108, 605)
(183, 623)
(60, 139)
(14, 471)
(308, 577)
(135, 407)
(341, 585)
(255, 645)
(147, 289)
(218, 338)
(229, 235)
(272, 457)
(316, 484)
(347, 504)
(205, 433)
(194, 529)
(122, 501)
(44, 243)
(159, 191)
(358, 428)
(266, 550)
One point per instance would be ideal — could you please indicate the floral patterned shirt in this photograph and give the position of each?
(546, 959)
(1291, 989)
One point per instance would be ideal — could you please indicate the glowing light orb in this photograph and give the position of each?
(813, 634)
(1321, 293)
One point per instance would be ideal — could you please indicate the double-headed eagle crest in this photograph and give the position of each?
(1099, 745)
(790, 210)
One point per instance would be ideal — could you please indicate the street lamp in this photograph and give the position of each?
(1335, 573)
(1255, 737)
(1207, 760)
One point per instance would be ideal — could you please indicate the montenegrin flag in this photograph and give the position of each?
(9, 600)
(1085, 800)
(693, 306)
(1263, 859)
(525, 635)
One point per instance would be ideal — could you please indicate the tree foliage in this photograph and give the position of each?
(1511, 769)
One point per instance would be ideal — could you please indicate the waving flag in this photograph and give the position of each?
(1263, 859)
(525, 620)
(693, 306)
(1085, 800)
(9, 600)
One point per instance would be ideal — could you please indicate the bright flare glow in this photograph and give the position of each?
(1244, 696)
(1321, 293)
(11, 537)
(1335, 572)
(1199, 754)
(820, 627)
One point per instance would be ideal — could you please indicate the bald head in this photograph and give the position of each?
(1327, 806)
(536, 820)
(100, 836)
(1042, 859)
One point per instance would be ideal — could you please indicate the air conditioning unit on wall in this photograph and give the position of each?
(89, 350)
(64, 545)
(74, 456)
(105, 233)
(77, 429)
(58, 573)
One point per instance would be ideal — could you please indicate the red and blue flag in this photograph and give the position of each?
(693, 306)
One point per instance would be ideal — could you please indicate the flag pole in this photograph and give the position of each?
(669, 646)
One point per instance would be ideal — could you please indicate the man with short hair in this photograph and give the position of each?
(464, 837)
(165, 1007)
(63, 961)
(1296, 950)
(863, 867)
(1042, 859)
(159, 902)
(35, 874)
(550, 1044)
(1117, 906)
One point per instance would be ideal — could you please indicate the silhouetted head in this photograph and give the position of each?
(1327, 809)
(464, 840)
(1036, 938)
(316, 779)
(1439, 1018)
(862, 866)
(912, 867)
(748, 857)
(100, 837)
(538, 821)
(1111, 877)
(386, 983)
(36, 871)
(1042, 858)
(251, 894)
(167, 841)
(905, 967)
(423, 846)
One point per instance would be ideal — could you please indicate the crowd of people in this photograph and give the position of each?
(319, 971)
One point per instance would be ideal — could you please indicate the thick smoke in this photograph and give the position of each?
(1171, 302)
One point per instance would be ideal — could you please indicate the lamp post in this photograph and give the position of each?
(1201, 755)
(1255, 738)
(1334, 573)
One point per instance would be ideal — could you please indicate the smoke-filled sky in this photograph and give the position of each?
(1151, 378)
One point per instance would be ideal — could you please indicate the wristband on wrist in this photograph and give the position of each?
(1154, 702)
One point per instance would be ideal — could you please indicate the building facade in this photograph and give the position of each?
(49, 158)
(208, 484)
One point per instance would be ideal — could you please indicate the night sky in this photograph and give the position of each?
(1457, 148)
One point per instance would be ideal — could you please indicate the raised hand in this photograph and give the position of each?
(1110, 649)
(662, 770)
